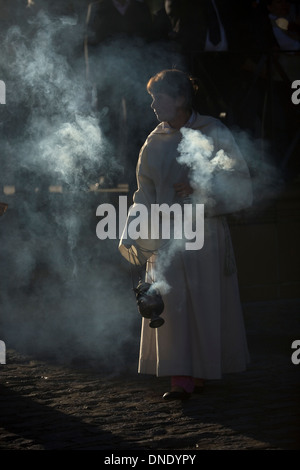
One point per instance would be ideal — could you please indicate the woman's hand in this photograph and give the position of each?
(183, 189)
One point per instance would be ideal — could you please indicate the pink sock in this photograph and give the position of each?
(184, 381)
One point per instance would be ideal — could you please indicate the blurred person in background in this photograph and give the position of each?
(115, 30)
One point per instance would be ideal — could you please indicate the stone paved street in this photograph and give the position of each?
(51, 406)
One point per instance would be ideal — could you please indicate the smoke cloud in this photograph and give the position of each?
(218, 181)
(268, 179)
(220, 174)
(64, 293)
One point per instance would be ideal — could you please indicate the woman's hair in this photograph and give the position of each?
(174, 83)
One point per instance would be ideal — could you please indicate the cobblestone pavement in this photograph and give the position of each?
(50, 406)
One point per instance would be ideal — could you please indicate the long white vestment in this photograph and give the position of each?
(203, 334)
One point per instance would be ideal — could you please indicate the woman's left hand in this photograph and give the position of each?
(183, 189)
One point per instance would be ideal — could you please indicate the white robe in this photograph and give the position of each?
(203, 334)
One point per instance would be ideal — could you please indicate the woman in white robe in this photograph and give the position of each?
(203, 335)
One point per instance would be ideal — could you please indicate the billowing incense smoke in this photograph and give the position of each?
(63, 292)
(219, 175)
(219, 182)
(268, 179)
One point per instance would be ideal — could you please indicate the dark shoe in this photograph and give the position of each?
(176, 395)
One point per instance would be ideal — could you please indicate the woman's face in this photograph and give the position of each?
(164, 106)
